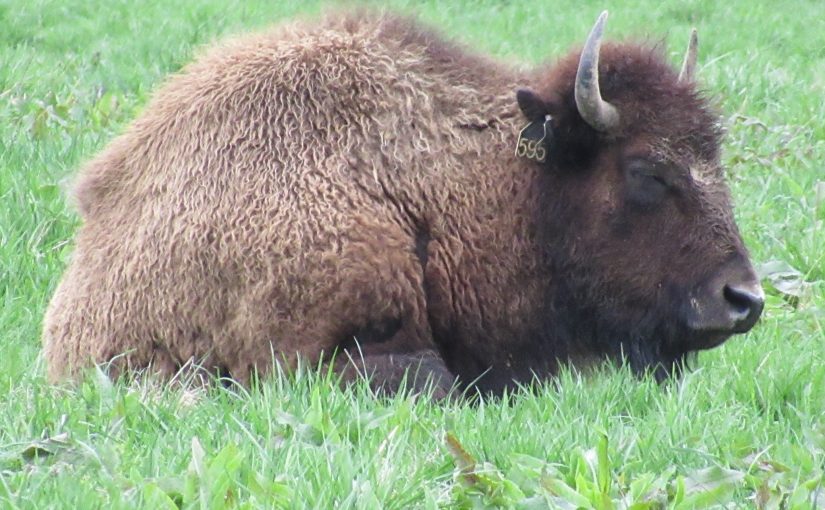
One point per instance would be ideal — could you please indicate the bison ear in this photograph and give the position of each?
(532, 106)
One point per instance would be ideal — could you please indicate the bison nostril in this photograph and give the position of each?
(745, 304)
(739, 302)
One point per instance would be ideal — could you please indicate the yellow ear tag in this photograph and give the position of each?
(535, 139)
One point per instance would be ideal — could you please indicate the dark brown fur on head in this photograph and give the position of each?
(635, 248)
(638, 80)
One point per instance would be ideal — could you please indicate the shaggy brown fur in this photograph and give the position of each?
(354, 184)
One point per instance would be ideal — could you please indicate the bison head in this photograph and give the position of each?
(639, 218)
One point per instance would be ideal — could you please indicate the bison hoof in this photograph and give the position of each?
(390, 374)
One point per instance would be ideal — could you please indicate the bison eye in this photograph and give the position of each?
(646, 183)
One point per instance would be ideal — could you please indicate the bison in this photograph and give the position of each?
(365, 193)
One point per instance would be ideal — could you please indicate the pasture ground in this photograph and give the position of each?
(744, 429)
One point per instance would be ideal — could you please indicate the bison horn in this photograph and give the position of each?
(689, 64)
(597, 112)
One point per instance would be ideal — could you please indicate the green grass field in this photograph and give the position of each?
(744, 429)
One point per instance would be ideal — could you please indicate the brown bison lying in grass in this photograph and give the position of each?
(367, 188)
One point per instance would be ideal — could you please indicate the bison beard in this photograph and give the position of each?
(351, 188)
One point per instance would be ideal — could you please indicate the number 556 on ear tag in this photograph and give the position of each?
(534, 140)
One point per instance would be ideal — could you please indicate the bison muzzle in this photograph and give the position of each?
(366, 193)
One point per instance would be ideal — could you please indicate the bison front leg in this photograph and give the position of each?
(389, 373)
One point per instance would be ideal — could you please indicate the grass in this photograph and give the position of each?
(744, 429)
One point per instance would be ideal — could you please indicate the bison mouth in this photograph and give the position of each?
(726, 304)
(664, 346)
(708, 340)
(656, 332)
(667, 355)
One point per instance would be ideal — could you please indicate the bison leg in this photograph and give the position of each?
(413, 372)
